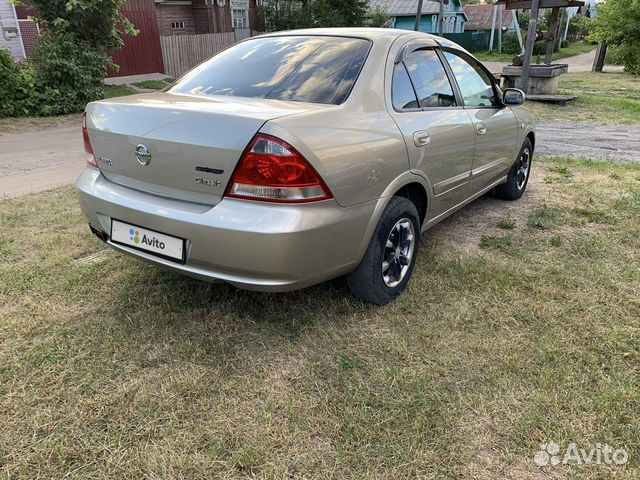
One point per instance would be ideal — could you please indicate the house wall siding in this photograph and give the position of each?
(168, 14)
(8, 19)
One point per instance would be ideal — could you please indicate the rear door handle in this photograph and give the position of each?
(481, 128)
(421, 138)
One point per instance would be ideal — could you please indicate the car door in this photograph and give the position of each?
(437, 130)
(496, 126)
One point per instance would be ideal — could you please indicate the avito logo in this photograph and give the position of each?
(134, 236)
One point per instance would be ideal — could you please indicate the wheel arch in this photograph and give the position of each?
(414, 187)
(532, 138)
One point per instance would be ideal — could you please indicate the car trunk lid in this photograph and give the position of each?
(179, 146)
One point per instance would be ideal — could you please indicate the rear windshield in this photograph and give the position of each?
(297, 68)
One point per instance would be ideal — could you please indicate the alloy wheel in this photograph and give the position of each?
(398, 252)
(524, 167)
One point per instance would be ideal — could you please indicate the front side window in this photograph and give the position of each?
(475, 85)
(297, 68)
(430, 79)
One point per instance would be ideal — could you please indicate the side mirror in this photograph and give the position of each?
(513, 97)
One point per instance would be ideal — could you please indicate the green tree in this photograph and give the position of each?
(618, 25)
(290, 14)
(72, 54)
(378, 18)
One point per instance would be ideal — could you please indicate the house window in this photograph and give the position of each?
(177, 25)
(239, 18)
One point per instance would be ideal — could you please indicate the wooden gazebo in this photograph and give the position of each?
(535, 6)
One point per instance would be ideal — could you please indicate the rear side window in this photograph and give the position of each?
(430, 79)
(402, 94)
(297, 68)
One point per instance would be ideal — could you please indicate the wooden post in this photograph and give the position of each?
(441, 18)
(493, 27)
(499, 29)
(516, 25)
(531, 40)
(418, 16)
(598, 62)
(553, 30)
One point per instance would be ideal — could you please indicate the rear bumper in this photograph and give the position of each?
(252, 245)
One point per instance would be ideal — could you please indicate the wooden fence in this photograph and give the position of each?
(182, 52)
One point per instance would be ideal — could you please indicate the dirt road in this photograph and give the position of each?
(581, 140)
(577, 63)
(36, 161)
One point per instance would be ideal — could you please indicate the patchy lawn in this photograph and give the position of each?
(29, 124)
(113, 91)
(603, 98)
(572, 49)
(155, 84)
(521, 326)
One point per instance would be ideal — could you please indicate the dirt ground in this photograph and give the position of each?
(577, 63)
(597, 142)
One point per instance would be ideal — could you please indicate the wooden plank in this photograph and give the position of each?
(183, 52)
(554, 99)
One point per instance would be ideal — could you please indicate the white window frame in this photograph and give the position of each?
(240, 18)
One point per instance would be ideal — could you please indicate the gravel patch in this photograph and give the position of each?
(597, 142)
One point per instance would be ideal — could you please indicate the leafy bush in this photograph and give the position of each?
(61, 77)
(71, 58)
(69, 74)
(16, 88)
(617, 26)
(510, 43)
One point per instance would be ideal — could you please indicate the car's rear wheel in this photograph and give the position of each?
(518, 175)
(388, 263)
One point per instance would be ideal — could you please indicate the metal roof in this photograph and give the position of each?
(481, 17)
(404, 7)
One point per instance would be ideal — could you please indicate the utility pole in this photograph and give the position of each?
(441, 18)
(418, 16)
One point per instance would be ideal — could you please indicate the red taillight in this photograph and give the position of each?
(272, 170)
(88, 149)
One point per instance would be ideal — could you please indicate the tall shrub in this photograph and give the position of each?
(618, 25)
(72, 54)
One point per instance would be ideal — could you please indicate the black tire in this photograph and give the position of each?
(516, 183)
(367, 282)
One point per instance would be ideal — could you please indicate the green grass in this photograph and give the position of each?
(506, 223)
(572, 49)
(602, 98)
(544, 217)
(112, 91)
(114, 368)
(152, 84)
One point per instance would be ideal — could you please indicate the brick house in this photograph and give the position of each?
(188, 17)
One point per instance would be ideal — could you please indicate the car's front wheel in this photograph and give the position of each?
(388, 263)
(518, 177)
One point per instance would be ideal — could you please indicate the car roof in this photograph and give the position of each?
(372, 33)
(368, 33)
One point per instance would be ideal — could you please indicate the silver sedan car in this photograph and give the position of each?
(296, 157)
